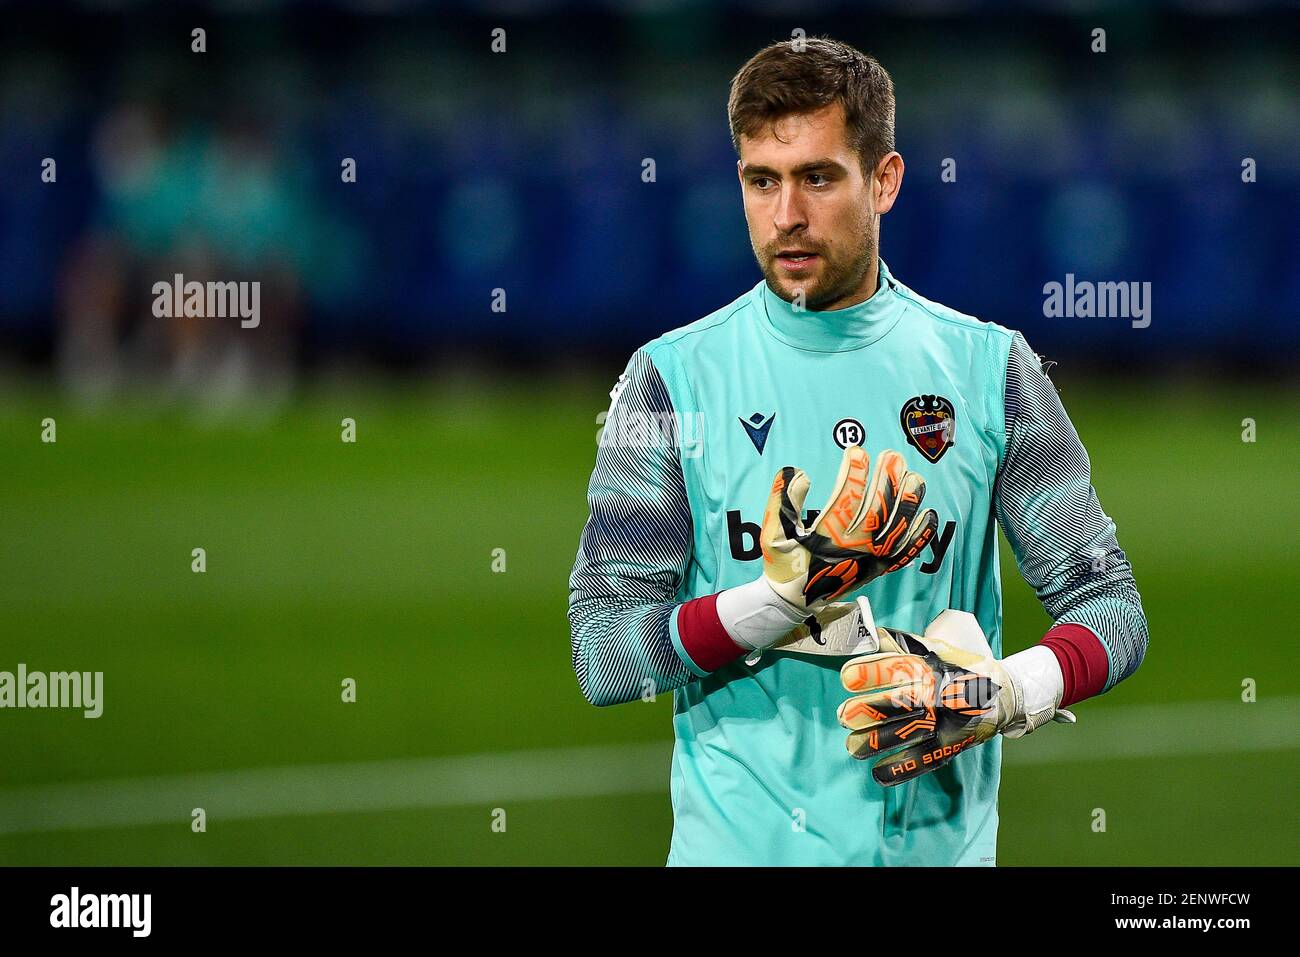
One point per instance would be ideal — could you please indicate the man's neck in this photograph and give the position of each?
(870, 283)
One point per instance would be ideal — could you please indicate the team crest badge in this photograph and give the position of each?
(929, 422)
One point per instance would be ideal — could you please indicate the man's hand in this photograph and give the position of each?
(919, 702)
(862, 533)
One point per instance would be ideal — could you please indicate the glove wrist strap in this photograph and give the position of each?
(1038, 683)
(755, 616)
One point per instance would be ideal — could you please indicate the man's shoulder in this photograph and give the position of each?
(720, 322)
(949, 321)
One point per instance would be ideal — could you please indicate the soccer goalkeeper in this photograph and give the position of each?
(704, 567)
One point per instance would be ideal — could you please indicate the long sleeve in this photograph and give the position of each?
(634, 549)
(1065, 545)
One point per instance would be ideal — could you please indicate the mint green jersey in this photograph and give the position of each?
(701, 422)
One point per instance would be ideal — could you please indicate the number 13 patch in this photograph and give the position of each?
(929, 422)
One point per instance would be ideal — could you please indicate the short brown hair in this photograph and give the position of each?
(799, 76)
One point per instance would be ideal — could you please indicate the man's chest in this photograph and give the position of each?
(750, 423)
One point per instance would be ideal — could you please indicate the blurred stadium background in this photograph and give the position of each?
(522, 171)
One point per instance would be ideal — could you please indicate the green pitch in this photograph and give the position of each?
(374, 561)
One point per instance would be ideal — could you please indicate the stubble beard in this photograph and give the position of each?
(839, 278)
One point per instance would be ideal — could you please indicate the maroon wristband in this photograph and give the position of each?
(1083, 661)
(703, 636)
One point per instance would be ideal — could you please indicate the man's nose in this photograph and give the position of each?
(790, 214)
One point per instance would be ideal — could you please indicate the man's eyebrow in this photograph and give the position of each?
(812, 166)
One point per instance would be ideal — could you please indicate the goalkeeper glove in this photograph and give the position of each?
(862, 533)
(935, 696)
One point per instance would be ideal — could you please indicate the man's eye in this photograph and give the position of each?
(760, 182)
(821, 179)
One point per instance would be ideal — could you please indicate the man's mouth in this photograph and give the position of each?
(796, 260)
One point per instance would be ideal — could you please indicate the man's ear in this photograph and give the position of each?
(740, 171)
(887, 182)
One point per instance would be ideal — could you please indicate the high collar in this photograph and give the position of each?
(832, 330)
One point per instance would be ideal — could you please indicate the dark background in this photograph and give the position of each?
(522, 171)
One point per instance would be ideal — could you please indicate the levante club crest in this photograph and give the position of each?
(929, 422)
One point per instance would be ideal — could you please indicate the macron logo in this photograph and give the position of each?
(102, 910)
(757, 427)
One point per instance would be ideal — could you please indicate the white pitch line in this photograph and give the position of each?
(489, 779)
(1163, 730)
(496, 780)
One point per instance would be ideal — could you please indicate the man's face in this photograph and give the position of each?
(814, 218)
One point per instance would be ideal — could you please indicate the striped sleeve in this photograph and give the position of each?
(1065, 545)
(634, 549)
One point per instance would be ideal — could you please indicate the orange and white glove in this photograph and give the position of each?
(918, 702)
(866, 530)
